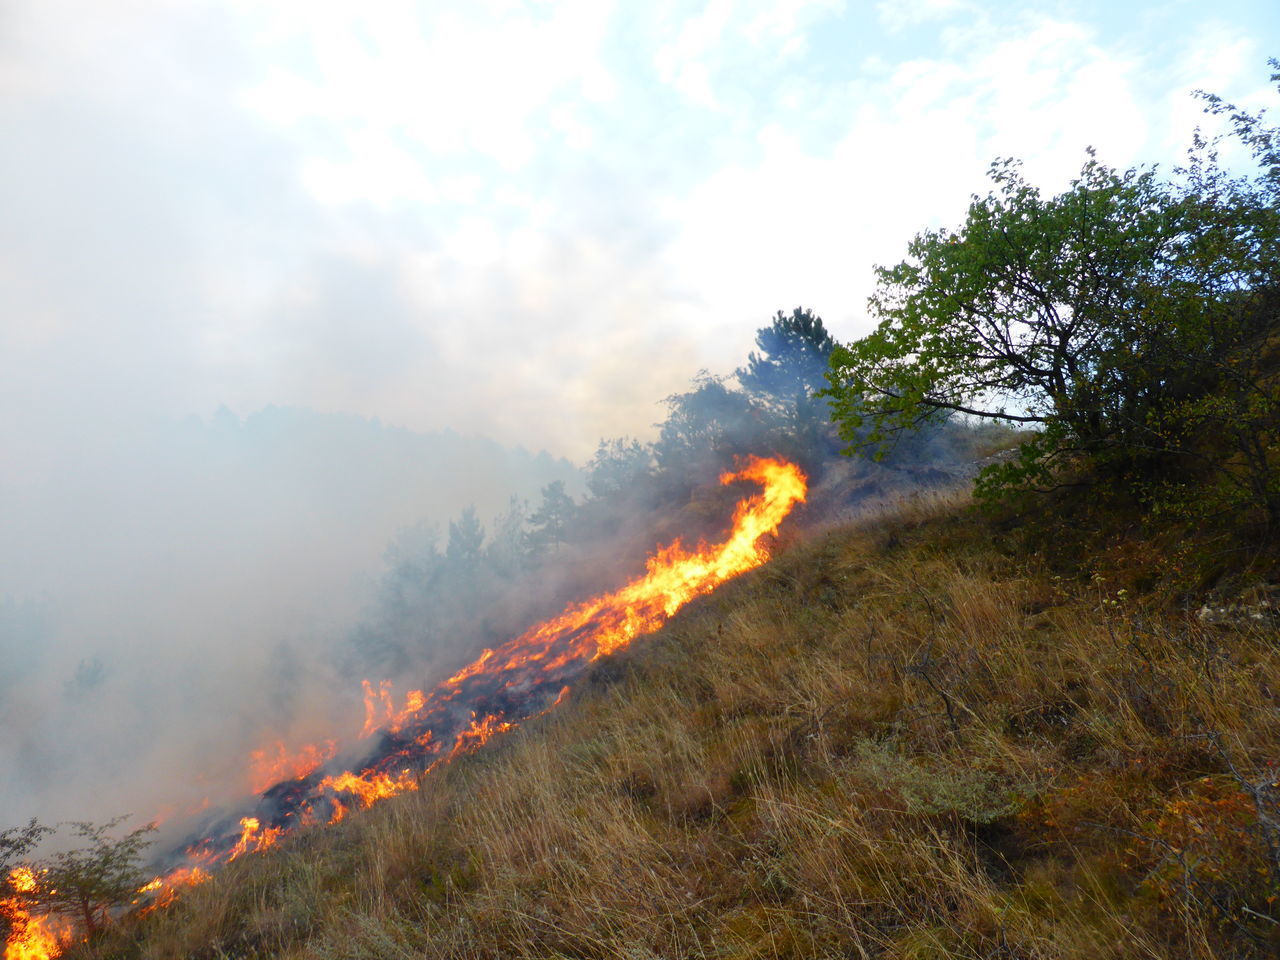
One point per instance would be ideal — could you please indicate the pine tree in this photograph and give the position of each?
(551, 521)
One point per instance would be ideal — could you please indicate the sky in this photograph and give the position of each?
(529, 220)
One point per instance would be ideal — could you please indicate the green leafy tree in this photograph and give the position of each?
(1019, 315)
(406, 601)
(508, 550)
(17, 842)
(1232, 425)
(87, 883)
(1094, 315)
(786, 378)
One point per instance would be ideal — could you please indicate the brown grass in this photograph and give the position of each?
(907, 739)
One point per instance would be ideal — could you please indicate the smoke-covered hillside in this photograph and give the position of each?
(239, 581)
(169, 594)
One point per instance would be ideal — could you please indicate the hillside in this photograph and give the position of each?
(251, 544)
(914, 736)
(1040, 724)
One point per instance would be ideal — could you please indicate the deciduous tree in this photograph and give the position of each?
(87, 883)
(1103, 316)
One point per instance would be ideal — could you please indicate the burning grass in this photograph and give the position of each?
(509, 680)
(908, 739)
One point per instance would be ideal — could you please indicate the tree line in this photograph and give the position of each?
(445, 591)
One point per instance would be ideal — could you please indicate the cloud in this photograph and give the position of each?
(710, 49)
(904, 147)
(396, 90)
(897, 15)
(410, 210)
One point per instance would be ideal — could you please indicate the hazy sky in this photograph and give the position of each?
(530, 219)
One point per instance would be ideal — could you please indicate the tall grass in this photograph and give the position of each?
(906, 739)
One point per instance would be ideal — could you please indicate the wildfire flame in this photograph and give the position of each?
(512, 682)
(253, 838)
(271, 765)
(31, 937)
(673, 578)
(163, 890)
(478, 734)
(366, 790)
(380, 711)
(502, 687)
(23, 880)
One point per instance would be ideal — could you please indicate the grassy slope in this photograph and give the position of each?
(908, 738)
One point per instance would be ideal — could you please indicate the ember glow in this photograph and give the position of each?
(520, 679)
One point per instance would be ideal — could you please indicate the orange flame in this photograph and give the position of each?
(23, 880)
(380, 711)
(550, 652)
(673, 578)
(267, 768)
(185, 877)
(597, 627)
(164, 889)
(585, 631)
(478, 734)
(31, 937)
(367, 789)
(253, 838)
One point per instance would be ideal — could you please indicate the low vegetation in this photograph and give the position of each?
(913, 737)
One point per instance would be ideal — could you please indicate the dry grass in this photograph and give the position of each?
(902, 741)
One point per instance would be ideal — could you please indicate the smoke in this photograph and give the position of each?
(175, 596)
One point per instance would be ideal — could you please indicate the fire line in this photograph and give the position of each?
(522, 678)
